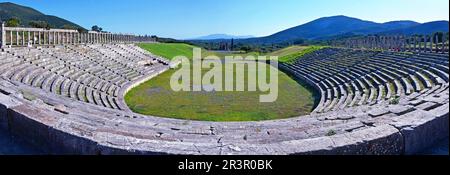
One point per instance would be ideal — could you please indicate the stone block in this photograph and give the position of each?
(421, 129)
(31, 124)
(6, 102)
(377, 112)
(380, 140)
(400, 109)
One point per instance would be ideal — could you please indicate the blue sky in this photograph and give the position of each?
(191, 18)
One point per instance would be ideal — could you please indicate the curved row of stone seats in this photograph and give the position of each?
(134, 50)
(69, 125)
(62, 125)
(115, 52)
(122, 63)
(86, 73)
(346, 78)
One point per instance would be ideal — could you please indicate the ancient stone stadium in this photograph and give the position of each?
(63, 91)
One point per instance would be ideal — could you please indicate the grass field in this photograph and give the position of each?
(155, 97)
(170, 50)
(290, 54)
(288, 51)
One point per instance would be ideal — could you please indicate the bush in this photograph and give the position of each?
(40, 24)
(395, 100)
(331, 133)
(13, 22)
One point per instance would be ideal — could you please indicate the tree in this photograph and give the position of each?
(82, 30)
(299, 41)
(246, 49)
(13, 22)
(232, 44)
(39, 24)
(97, 28)
(69, 27)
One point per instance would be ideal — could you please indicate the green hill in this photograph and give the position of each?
(26, 15)
(338, 26)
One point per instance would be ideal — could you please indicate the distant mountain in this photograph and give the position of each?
(323, 27)
(394, 25)
(27, 14)
(426, 28)
(221, 36)
(329, 27)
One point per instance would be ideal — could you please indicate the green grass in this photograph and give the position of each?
(392, 87)
(243, 55)
(155, 97)
(288, 51)
(28, 95)
(285, 55)
(291, 57)
(169, 50)
(421, 86)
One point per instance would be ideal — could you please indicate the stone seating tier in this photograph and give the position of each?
(376, 76)
(78, 108)
(89, 73)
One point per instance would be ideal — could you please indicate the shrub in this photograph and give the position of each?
(395, 100)
(331, 133)
(13, 22)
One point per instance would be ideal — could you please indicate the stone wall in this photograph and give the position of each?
(43, 129)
